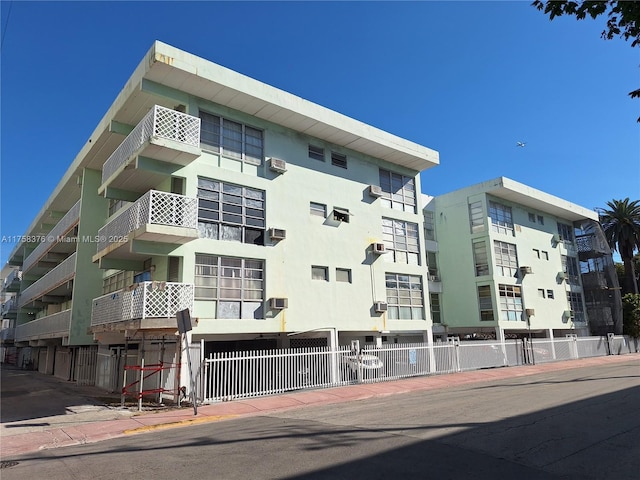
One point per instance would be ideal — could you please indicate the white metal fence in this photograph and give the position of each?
(233, 375)
(159, 122)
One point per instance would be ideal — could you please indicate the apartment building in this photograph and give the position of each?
(508, 263)
(276, 222)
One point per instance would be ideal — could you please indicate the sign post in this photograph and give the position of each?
(184, 325)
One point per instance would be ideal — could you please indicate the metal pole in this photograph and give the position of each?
(191, 382)
(124, 371)
(140, 387)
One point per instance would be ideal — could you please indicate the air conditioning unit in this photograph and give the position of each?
(278, 303)
(378, 248)
(277, 165)
(530, 312)
(375, 190)
(433, 278)
(525, 270)
(568, 314)
(380, 307)
(556, 238)
(562, 276)
(277, 234)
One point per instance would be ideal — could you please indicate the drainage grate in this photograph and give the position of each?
(7, 464)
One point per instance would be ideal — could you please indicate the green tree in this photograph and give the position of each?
(623, 18)
(631, 314)
(621, 226)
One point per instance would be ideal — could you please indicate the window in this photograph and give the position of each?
(566, 232)
(575, 301)
(506, 259)
(398, 191)
(117, 281)
(540, 219)
(401, 239)
(320, 273)
(550, 294)
(476, 218)
(338, 160)
(318, 209)
(510, 302)
(541, 293)
(317, 153)
(115, 205)
(432, 264)
(480, 258)
(485, 303)
(429, 230)
(230, 212)
(341, 215)
(231, 139)
(501, 219)
(236, 283)
(343, 275)
(532, 217)
(434, 301)
(570, 267)
(404, 297)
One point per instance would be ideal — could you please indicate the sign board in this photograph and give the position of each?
(184, 321)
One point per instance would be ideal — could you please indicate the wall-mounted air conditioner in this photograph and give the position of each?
(380, 307)
(525, 270)
(530, 312)
(277, 165)
(556, 238)
(277, 234)
(375, 190)
(378, 248)
(568, 314)
(278, 303)
(562, 276)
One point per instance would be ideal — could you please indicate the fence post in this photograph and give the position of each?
(610, 341)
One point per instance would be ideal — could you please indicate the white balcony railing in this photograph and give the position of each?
(7, 334)
(9, 306)
(159, 122)
(157, 208)
(14, 276)
(145, 300)
(51, 326)
(56, 277)
(65, 223)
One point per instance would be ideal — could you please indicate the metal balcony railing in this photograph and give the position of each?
(56, 277)
(145, 300)
(9, 306)
(157, 208)
(159, 122)
(14, 276)
(70, 219)
(7, 334)
(51, 326)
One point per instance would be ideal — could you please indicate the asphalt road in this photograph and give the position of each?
(581, 423)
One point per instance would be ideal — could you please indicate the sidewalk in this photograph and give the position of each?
(137, 423)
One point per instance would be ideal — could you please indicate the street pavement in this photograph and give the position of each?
(41, 412)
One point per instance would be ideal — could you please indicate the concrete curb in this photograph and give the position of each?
(151, 421)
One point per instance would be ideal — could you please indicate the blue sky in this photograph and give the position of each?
(468, 79)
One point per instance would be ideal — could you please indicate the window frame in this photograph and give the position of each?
(505, 258)
(501, 218)
(315, 269)
(510, 308)
(339, 160)
(398, 191)
(401, 239)
(405, 294)
(251, 138)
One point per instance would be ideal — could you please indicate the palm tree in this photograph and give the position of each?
(621, 225)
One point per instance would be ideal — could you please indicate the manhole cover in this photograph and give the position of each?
(7, 464)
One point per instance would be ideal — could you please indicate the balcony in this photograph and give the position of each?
(7, 334)
(51, 326)
(9, 308)
(158, 217)
(55, 240)
(147, 305)
(54, 284)
(164, 136)
(12, 282)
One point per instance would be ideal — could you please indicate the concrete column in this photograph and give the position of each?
(428, 338)
(553, 345)
(500, 338)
